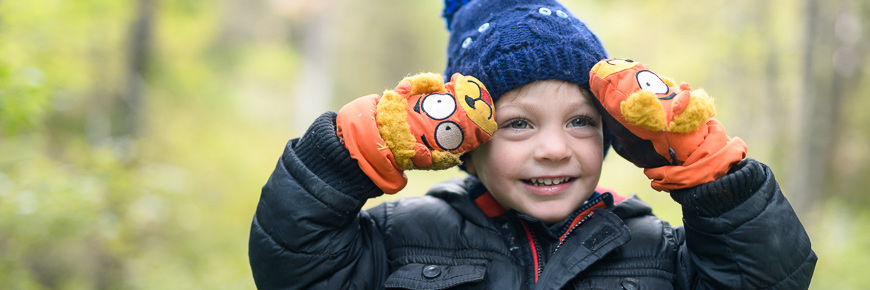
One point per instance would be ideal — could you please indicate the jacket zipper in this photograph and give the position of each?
(536, 250)
(585, 213)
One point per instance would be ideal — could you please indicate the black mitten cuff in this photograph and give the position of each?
(721, 195)
(324, 155)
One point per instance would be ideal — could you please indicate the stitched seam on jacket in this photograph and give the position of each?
(669, 276)
(731, 254)
(388, 225)
(767, 202)
(450, 282)
(766, 205)
(317, 196)
(602, 271)
(638, 258)
(730, 242)
(310, 190)
(448, 250)
(793, 272)
(284, 248)
(670, 238)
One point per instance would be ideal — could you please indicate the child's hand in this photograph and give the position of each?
(667, 129)
(421, 124)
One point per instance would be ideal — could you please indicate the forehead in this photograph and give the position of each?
(549, 93)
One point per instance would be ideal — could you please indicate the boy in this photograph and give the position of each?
(530, 215)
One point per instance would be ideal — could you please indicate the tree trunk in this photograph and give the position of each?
(849, 57)
(808, 160)
(314, 90)
(137, 67)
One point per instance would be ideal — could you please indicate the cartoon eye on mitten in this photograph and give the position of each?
(667, 129)
(421, 124)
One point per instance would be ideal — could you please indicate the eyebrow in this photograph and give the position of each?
(526, 103)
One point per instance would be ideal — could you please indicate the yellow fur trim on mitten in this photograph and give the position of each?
(392, 118)
(644, 109)
(423, 83)
(697, 112)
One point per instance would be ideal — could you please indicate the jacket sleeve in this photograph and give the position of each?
(741, 233)
(308, 231)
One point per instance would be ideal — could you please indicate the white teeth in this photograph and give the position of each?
(549, 181)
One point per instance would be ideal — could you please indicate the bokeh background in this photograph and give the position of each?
(135, 135)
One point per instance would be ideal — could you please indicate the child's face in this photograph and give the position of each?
(545, 159)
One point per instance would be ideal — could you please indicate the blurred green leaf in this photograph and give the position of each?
(85, 205)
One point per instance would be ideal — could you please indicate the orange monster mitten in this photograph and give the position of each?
(421, 124)
(668, 130)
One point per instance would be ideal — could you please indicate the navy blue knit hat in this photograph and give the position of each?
(509, 43)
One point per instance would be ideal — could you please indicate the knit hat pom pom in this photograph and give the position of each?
(450, 8)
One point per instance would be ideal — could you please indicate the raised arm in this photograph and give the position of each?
(740, 232)
(308, 231)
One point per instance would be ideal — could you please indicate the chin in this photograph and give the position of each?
(553, 220)
(550, 216)
(553, 211)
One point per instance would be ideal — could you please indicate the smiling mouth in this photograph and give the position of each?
(547, 181)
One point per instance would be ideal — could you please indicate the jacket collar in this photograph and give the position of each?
(462, 193)
(601, 232)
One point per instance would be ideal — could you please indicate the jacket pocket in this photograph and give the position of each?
(435, 276)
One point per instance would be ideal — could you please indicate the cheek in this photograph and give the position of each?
(492, 160)
(593, 153)
(478, 160)
(589, 153)
(591, 161)
(590, 145)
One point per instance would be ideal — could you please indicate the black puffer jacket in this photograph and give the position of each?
(309, 233)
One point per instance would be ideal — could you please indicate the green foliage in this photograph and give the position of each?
(87, 205)
(841, 239)
(23, 98)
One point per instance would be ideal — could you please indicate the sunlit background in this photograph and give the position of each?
(135, 135)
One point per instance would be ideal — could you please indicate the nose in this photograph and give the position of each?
(552, 145)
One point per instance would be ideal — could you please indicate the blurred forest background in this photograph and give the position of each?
(135, 135)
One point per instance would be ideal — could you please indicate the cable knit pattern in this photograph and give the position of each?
(322, 152)
(507, 44)
(721, 195)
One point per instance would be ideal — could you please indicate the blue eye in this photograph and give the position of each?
(580, 122)
(518, 124)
